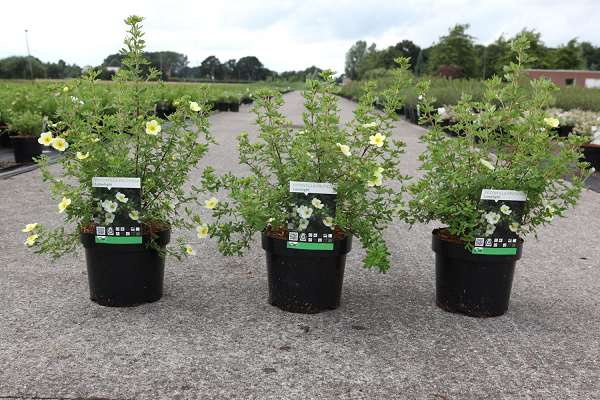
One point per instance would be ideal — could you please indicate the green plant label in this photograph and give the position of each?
(501, 217)
(311, 216)
(117, 207)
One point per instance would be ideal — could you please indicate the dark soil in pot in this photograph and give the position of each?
(25, 148)
(471, 284)
(305, 281)
(124, 275)
(591, 153)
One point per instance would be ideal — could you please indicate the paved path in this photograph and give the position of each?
(213, 335)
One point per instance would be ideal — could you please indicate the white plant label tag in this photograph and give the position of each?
(311, 218)
(502, 211)
(117, 210)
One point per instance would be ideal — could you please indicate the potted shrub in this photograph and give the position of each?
(221, 104)
(234, 102)
(310, 190)
(26, 126)
(122, 182)
(587, 125)
(518, 152)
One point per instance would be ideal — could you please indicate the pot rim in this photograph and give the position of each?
(591, 146)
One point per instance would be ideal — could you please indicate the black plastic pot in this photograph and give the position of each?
(25, 148)
(4, 136)
(221, 106)
(235, 107)
(124, 275)
(472, 284)
(305, 281)
(565, 130)
(591, 153)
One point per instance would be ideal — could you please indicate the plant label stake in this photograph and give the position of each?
(311, 216)
(503, 213)
(118, 203)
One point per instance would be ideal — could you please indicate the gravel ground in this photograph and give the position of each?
(213, 335)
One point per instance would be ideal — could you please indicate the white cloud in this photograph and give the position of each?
(282, 34)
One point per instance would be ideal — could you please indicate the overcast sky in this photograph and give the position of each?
(284, 35)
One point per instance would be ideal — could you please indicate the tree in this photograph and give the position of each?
(230, 70)
(251, 69)
(539, 53)
(455, 50)
(17, 67)
(421, 62)
(211, 68)
(494, 56)
(169, 63)
(591, 56)
(354, 57)
(405, 48)
(568, 56)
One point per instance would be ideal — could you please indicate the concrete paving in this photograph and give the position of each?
(213, 335)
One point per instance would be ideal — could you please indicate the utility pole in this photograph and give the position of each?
(28, 56)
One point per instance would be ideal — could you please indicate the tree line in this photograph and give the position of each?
(456, 55)
(172, 66)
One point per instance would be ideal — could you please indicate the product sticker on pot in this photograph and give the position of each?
(310, 222)
(501, 218)
(117, 203)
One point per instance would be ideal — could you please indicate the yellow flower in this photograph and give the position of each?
(62, 206)
(189, 250)
(60, 144)
(31, 240)
(134, 215)
(487, 164)
(153, 128)
(194, 106)
(328, 222)
(377, 179)
(377, 139)
(82, 156)
(552, 122)
(202, 231)
(211, 203)
(45, 138)
(345, 149)
(316, 203)
(29, 227)
(514, 227)
(66, 89)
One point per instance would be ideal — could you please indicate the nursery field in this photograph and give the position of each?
(31, 101)
(449, 91)
(214, 335)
